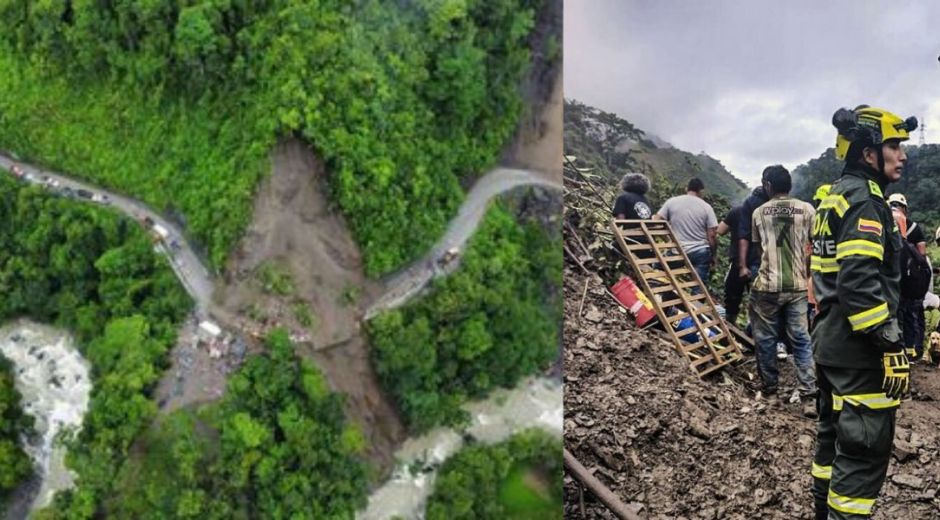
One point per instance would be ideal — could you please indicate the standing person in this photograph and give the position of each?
(821, 193)
(915, 278)
(632, 203)
(694, 223)
(734, 284)
(748, 261)
(861, 367)
(915, 234)
(781, 229)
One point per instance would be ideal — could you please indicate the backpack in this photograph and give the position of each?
(915, 272)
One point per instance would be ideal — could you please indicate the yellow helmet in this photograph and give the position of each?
(822, 192)
(870, 126)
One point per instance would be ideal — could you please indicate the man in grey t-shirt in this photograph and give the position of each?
(694, 223)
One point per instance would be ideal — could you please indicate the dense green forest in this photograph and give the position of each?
(95, 274)
(15, 465)
(487, 325)
(612, 146)
(920, 182)
(519, 479)
(178, 103)
(276, 446)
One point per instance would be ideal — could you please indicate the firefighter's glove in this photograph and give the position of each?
(887, 337)
(897, 374)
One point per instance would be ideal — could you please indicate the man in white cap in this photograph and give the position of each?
(915, 277)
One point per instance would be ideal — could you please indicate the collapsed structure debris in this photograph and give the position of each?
(667, 445)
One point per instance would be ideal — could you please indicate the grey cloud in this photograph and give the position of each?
(751, 83)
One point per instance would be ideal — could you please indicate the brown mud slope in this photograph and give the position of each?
(673, 446)
(295, 228)
(537, 143)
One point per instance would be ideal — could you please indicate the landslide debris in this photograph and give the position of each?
(674, 446)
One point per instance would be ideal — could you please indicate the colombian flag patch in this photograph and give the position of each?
(869, 226)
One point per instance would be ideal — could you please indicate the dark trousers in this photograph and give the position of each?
(734, 293)
(911, 313)
(854, 435)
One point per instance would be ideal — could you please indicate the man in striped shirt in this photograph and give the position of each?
(782, 228)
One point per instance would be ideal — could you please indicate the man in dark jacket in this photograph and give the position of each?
(734, 284)
(862, 369)
(748, 259)
(632, 205)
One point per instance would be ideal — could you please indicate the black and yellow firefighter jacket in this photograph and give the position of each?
(856, 271)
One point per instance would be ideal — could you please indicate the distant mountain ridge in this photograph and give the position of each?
(613, 146)
(920, 182)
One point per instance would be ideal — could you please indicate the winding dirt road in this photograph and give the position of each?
(186, 264)
(406, 283)
(399, 287)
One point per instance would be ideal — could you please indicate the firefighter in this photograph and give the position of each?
(862, 369)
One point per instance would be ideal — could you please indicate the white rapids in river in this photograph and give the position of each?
(535, 403)
(53, 378)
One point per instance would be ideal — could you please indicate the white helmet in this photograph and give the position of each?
(899, 198)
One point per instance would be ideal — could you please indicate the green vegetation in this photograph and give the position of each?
(492, 322)
(920, 182)
(179, 104)
(598, 140)
(304, 316)
(15, 465)
(349, 295)
(277, 446)
(275, 279)
(84, 269)
(519, 479)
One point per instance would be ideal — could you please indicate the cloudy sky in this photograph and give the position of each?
(752, 83)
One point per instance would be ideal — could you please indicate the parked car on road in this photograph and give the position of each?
(84, 193)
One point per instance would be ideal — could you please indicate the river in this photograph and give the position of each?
(53, 378)
(534, 403)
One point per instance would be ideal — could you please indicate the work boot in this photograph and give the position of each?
(768, 391)
(809, 407)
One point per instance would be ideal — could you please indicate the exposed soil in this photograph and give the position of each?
(296, 230)
(537, 144)
(674, 446)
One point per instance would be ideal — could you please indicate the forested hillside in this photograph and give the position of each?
(487, 325)
(920, 182)
(179, 104)
(277, 446)
(612, 146)
(15, 465)
(520, 479)
(84, 269)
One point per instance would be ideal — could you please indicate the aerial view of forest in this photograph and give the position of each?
(251, 251)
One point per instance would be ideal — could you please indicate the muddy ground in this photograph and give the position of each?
(673, 446)
(295, 229)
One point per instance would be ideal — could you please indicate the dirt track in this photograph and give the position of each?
(674, 446)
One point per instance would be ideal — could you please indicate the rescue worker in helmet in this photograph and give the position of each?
(862, 369)
(821, 193)
(915, 277)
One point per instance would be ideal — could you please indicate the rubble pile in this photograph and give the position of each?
(671, 445)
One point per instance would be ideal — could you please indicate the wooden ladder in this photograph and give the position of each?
(670, 282)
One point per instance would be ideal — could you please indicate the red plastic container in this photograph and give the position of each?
(633, 298)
